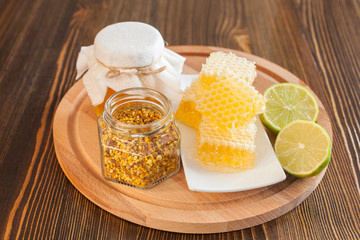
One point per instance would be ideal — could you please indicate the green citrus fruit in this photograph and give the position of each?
(287, 102)
(303, 148)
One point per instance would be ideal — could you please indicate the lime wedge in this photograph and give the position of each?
(287, 102)
(303, 148)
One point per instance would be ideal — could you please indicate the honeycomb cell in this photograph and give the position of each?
(230, 150)
(249, 104)
(221, 104)
(187, 112)
(220, 65)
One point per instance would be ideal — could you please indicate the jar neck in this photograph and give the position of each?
(138, 98)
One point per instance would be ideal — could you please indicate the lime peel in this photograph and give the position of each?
(311, 157)
(287, 102)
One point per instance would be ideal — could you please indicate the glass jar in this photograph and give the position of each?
(139, 140)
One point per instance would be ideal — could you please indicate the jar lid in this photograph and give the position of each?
(126, 55)
(128, 44)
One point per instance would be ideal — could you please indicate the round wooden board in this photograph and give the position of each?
(170, 205)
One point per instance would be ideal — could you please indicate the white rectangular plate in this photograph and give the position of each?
(267, 170)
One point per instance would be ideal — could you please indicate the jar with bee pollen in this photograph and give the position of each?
(139, 140)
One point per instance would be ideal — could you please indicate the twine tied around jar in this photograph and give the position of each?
(138, 71)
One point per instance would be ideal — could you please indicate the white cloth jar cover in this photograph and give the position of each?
(129, 54)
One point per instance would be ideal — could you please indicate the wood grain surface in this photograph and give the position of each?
(317, 40)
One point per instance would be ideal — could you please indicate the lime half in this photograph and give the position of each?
(303, 148)
(287, 102)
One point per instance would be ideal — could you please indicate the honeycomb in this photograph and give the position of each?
(220, 65)
(222, 104)
(229, 150)
(187, 112)
(230, 103)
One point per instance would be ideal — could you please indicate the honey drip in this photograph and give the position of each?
(99, 109)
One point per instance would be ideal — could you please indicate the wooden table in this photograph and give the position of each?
(318, 41)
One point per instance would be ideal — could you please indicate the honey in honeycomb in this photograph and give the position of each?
(226, 151)
(187, 112)
(222, 104)
(220, 67)
(230, 103)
